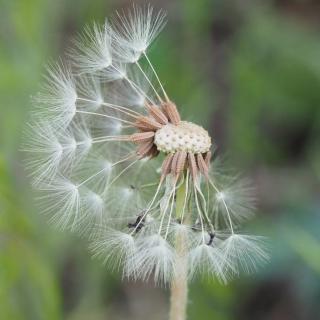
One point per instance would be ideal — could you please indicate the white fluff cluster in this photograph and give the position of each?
(91, 179)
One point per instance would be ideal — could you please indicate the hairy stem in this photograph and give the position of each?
(179, 284)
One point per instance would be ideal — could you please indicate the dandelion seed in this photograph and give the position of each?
(92, 53)
(244, 253)
(114, 247)
(44, 151)
(208, 260)
(135, 31)
(237, 193)
(114, 158)
(57, 100)
(154, 257)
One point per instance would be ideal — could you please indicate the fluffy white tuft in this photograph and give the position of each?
(114, 247)
(205, 259)
(44, 151)
(237, 194)
(134, 32)
(61, 200)
(92, 51)
(243, 253)
(57, 100)
(154, 257)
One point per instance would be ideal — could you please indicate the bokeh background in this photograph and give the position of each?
(247, 70)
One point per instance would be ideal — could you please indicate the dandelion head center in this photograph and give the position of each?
(185, 136)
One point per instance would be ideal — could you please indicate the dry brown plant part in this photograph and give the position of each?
(144, 148)
(176, 162)
(203, 168)
(171, 111)
(142, 136)
(157, 114)
(144, 123)
(192, 166)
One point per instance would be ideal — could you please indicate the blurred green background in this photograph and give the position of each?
(247, 70)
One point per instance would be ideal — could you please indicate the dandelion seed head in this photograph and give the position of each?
(111, 158)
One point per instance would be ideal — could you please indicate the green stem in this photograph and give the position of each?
(179, 284)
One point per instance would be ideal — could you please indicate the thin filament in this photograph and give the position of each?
(106, 116)
(148, 80)
(148, 208)
(111, 138)
(167, 205)
(122, 109)
(199, 213)
(169, 220)
(185, 197)
(128, 157)
(91, 177)
(156, 75)
(121, 173)
(134, 86)
(225, 206)
(205, 210)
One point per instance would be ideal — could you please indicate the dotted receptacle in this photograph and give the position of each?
(185, 136)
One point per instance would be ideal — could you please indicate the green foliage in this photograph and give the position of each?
(275, 77)
(28, 288)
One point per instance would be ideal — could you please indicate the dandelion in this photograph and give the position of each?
(112, 159)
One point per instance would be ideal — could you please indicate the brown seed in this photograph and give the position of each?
(192, 165)
(157, 114)
(181, 162)
(144, 148)
(207, 158)
(153, 152)
(147, 124)
(166, 166)
(171, 111)
(202, 165)
(141, 136)
(174, 162)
